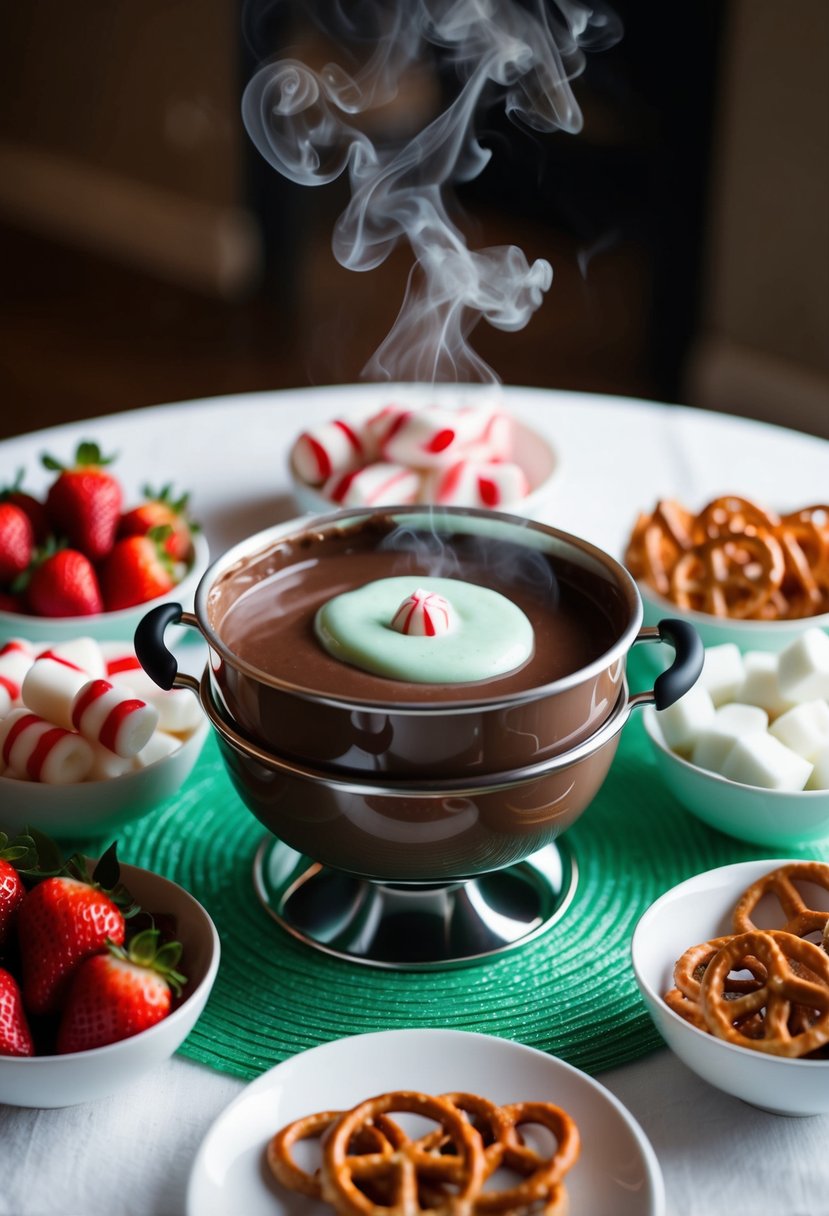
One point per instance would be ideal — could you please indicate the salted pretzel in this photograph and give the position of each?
(708, 563)
(729, 576)
(380, 1137)
(732, 515)
(689, 969)
(795, 1008)
(540, 1174)
(782, 885)
(345, 1176)
(657, 542)
(496, 1129)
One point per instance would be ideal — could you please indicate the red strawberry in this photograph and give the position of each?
(11, 896)
(136, 570)
(84, 503)
(15, 1036)
(64, 584)
(120, 993)
(162, 510)
(60, 922)
(15, 855)
(17, 541)
(35, 509)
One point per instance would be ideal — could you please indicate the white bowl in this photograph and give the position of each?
(532, 451)
(104, 626)
(695, 911)
(779, 818)
(97, 808)
(715, 630)
(49, 1081)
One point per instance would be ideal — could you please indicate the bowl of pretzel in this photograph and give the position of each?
(733, 966)
(737, 569)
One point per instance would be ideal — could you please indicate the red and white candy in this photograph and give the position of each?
(38, 750)
(83, 653)
(375, 485)
(111, 716)
(431, 437)
(423, 614)
(16, 657)
(474, 483)
(322, 451)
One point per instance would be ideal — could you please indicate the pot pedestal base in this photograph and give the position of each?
(414, 926)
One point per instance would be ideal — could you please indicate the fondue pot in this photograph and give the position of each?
(415, 825)
(301, 704)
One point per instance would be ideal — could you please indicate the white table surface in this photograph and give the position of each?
(130, 1155)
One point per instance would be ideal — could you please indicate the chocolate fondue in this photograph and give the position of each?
(264, 608)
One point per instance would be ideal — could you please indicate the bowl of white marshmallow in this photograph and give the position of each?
(470, 455)
(746, 750)
(87, 741)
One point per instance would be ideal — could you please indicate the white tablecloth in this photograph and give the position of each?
(130, 1155)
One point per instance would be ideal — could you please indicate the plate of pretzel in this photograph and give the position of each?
(738, 569)
(432, 1122)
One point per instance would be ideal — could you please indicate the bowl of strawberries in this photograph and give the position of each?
(81, 558)
(104, 971)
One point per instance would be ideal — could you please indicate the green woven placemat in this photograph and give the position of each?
(571, 992)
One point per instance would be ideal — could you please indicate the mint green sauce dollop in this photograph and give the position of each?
(491, 634)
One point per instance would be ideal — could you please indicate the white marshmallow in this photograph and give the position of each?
(682, 722)
(475, 483)
(714, 742)
(178, 710)
(41, 751)
(320, 452)
(84, 653)
(805, 728)
(159, 745)
(113, 717)
(496, 439)
(50, 688)
(375, 485)
(106, 765)
(803, 667)
(16, 657)
(762, 760)
(819, 779)
(760, 686)
(723, 672)
(5, 701)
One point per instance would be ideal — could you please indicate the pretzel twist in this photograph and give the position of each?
(401, 1170)
(795, 1007)
(782, 884)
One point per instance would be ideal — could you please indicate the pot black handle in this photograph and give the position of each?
(159, 663)
(688, 659)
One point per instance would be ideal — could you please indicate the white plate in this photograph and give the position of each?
(617, 1173)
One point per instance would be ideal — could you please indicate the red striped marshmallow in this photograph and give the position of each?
(83, 653)
(375, 485)
(112, 717)
(38, 750)
(333, 447)
(473, 483)
(430, 437)
(423, 614)
(16, 657)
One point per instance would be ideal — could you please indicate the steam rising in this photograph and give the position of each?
(523, 55)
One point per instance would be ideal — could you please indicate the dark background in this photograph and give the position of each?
(150, 255)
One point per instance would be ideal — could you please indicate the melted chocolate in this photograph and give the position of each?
(263, 608)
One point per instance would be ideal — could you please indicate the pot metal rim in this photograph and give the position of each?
(359, 783)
